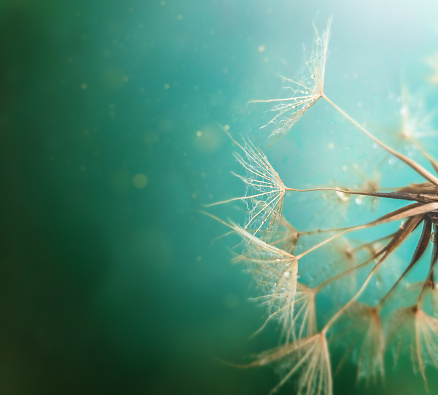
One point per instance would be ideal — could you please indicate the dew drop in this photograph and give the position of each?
(342, 196)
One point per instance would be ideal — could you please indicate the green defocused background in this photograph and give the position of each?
(111, 280)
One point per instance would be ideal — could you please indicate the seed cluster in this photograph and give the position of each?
(286, 263)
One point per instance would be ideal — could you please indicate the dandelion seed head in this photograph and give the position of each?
(358, 287)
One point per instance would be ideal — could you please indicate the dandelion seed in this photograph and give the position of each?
(267, 262)
(264, 191)
(426, 340)
(305, 317)
(365, 332)
(290, 109)
(432, 61)
(276, 273)
(370, 185)
(416, 122)
(310, 356)
(413, 323)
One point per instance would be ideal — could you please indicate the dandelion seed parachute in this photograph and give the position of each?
(306, 90)
(265, 191)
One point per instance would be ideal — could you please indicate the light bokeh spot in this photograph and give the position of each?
(140, 181)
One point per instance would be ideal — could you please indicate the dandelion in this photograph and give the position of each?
(293, 275)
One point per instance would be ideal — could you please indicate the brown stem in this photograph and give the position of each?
(419, 251)
(390, 195)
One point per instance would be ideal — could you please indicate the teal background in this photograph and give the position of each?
(112, 281)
